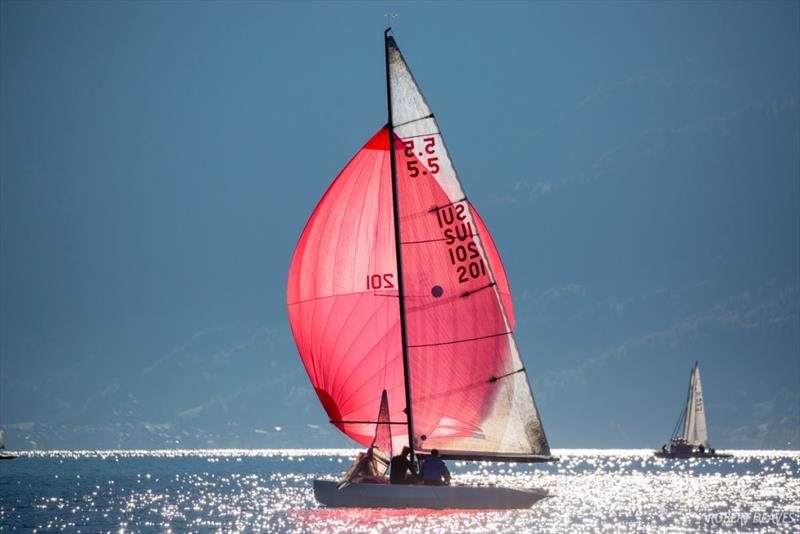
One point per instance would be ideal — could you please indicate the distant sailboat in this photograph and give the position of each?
(400, 306)
(3, 454)
(690, 436)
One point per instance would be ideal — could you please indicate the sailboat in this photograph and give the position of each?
(396, 286)
(3, 454)
(690, 436)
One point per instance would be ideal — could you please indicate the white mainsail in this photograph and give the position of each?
(695, 431)
(511, 423)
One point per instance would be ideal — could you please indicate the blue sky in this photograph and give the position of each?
(638, 165)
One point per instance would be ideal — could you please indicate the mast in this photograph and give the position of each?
(398, 251)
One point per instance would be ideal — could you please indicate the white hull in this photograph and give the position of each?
(417, 496)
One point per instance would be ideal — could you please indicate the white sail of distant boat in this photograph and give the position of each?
(2, 443)
(695, 431)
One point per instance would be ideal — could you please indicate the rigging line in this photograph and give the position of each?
(323, 297)
(458, 341)
(496, 378)
(679, 423)
(430, 116)
(487, 286)
(414, 215)
(427, 305)
(442, 301)
(435, 240)
(437, 208)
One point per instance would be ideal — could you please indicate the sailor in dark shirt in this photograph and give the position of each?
(400, 467)
(434, 471)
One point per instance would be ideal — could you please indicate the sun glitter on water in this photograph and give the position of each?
(270, 490)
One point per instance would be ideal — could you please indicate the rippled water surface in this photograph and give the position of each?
(270, 490)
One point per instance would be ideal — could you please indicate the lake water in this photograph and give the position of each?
(270, 490)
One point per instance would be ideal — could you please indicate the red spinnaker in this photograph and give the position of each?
(344, 308)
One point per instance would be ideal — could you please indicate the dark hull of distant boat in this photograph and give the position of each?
(691, 454)
(8, 455)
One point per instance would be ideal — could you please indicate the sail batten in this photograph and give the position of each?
(455, 341)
